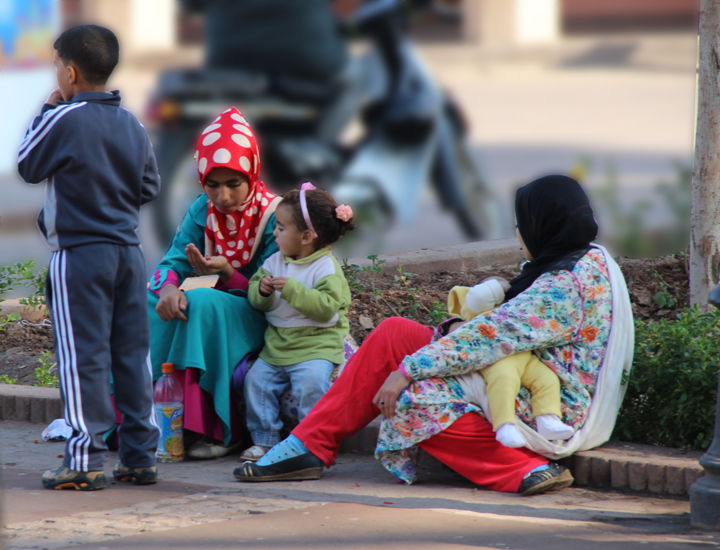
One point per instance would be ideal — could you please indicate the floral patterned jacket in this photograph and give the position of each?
(564, 317)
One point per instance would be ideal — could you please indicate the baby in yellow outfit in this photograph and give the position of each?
(504, 378)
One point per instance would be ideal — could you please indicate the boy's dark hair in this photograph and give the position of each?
(94, 50)
(321, 209)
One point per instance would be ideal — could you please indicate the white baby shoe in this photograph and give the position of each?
(510, 436)
(551, 427)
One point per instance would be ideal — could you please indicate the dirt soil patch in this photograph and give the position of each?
(21, 346)
(658, 289)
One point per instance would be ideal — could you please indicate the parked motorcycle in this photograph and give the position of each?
(375, 138)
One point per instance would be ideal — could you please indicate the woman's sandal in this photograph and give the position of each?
(297, 468)
(254, 453)
(204, 450)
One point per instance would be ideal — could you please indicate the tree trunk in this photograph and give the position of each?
(705, 209)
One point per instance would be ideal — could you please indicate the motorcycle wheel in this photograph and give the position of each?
(475, 212)
(179, 181)
(460, 185)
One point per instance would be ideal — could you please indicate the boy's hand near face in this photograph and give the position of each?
(54, 97)
(208, 265)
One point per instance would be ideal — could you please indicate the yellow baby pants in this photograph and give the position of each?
(504, 378)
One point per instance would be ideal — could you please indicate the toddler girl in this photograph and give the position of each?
(305, 297)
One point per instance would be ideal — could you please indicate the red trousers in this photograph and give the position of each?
(468, 446)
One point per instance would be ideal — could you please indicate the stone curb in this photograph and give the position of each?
(614, 466)
(636, 468)
(30, 403)
(456, 258)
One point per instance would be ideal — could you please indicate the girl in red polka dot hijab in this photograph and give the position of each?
(207, 332)
(232, 227)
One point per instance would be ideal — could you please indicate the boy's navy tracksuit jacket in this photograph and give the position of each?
(92, 152)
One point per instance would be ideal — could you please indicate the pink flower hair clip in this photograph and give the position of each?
(344, 212)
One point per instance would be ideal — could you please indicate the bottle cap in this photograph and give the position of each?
(167, 368)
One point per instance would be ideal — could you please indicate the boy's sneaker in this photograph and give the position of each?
(553, 478)
(139, 476)
(65, 478)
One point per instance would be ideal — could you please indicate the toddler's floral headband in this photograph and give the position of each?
(343, 211)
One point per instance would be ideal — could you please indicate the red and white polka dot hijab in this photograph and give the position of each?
(228, 141)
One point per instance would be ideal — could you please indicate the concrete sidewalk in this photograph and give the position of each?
(615, 466)
(356, 504)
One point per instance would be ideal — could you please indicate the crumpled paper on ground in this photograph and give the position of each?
(57, 430)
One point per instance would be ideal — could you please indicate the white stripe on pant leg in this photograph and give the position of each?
(81, 453)
(57, 265)
(80, 445)
(61, 321)
(60, 330)
(56, 269)
(148, 364)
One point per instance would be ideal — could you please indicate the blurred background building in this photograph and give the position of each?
(605, 90)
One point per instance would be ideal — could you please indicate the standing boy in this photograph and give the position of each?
(100, 168)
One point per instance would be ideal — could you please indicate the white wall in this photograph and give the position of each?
(507, 23)
(22, 93)
(152, 24)
(536, 21)
(140, 25)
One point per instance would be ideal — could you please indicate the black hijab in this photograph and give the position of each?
(556, 222)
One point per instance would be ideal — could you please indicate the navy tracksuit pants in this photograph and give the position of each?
(98, 304)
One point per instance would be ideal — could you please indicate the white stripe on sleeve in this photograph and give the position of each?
(35, 136)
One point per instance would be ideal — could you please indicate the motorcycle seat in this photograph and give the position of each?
(304, 91)
(196, 83)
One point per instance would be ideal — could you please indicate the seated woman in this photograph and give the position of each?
(569, 306)
(206, 332)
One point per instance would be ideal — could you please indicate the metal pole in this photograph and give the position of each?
(705, 492)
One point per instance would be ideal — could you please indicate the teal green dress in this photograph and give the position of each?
(222, 328)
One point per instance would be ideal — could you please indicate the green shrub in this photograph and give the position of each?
(671, 395)
(438, 313)
(46, 373)
(19, 275)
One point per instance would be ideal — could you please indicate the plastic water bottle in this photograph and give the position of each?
(168, 399)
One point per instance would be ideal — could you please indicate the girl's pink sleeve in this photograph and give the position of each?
(238, 281)
(162, 277)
